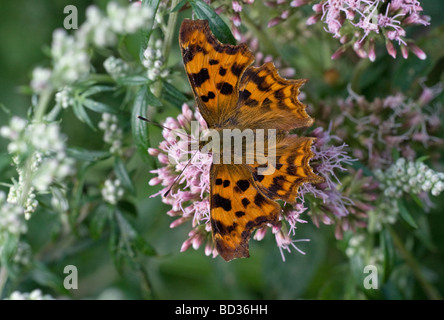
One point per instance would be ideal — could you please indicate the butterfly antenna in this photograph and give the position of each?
(163, 127)
(187, 135)
(180, 175)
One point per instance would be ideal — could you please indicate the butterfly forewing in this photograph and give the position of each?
(214, 70)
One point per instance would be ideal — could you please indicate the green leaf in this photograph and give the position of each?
(152, 100)
(9, 249)
(99, 107)
(139, 127)
(87, 155)
(81, 114)
(96, 89)
(127, 207)
(148, 30)
(179, 5)
(217, 25)
(60, 196)
(173, 95)
(99, 218)
(135, 80)
(123, 176)
(41, 274)
(142, 246)
(359, 165)
(417, 200)
(5, 109)
(77, 193)
(130, 237)
(389, 253)
(422, 159)
(405, 215)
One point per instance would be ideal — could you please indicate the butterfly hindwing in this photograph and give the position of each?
(268, 101)
(291, 169)
(237, 208)
(214, 70)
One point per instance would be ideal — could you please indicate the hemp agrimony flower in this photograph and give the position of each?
(189, 198)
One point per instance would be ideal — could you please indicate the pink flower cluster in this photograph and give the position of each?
(189, 172)
(359, 23)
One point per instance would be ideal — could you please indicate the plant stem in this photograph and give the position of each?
(3, 278)
(172, 20)
(27, 170)
(428, 288)
(359, 69)
(42, 105)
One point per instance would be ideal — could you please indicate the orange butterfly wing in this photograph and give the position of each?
(213, 69)
(237, 208)
(282, 178)
(268, 101)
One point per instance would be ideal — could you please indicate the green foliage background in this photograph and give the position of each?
(323, 273)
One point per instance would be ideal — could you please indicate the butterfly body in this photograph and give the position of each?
(251, 104)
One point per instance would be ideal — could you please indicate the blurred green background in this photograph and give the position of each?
(25, 33)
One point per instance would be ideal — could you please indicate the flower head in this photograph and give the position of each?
(184, 175)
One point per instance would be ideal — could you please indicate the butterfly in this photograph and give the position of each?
(230, 93)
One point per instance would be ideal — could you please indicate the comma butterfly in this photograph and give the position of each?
(232, 94)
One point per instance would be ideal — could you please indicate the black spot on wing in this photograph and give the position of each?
(189, 52)
(220, 228)
(209, 96)
(225, 88)
(259, 81)
(239, 214)
(259, 200)
(258, 177)
(245, 202)
(256, 223)
(291, 170)
(277, 184)
(251, 102)
(221, 202)
(199, 78)
(222, 71)
(244, 94)
(237, 69)
(243, 185)
(279, 95)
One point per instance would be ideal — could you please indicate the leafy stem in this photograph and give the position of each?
(428, 288)
(42, 105)
(3, 278)
(169, 35)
